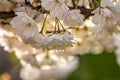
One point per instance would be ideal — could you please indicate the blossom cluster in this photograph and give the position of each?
(107, 16)
(46, 34)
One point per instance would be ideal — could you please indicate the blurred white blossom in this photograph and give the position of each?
(5, 5)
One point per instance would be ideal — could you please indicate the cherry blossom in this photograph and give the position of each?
(74, 18)
(57, 8)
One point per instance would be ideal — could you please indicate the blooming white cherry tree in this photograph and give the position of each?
(46, 34)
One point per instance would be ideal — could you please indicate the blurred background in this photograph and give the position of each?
(91, 67)
(9, 66)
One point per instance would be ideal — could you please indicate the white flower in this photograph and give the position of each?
(105, 3)
(105, 18)
(110, 25)
(74, 18)
(67, 37)
(50, 4)
(54, 41)
(117, 46)
(30, 12)
(25, 27)
(100, 15)
(117, 40)
(59, 41)
(49, 67)
(116, 12)
(62, 68)
(96, 30)
(42, 60)
(29, 73)
(57, 8)
(111, 8)
(106, 12)
(98, 19)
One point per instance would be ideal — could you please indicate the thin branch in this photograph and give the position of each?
(6, 15)
(43, 26)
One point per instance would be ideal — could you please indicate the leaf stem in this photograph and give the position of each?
(43, 24)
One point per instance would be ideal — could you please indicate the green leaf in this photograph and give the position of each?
(96, 67)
